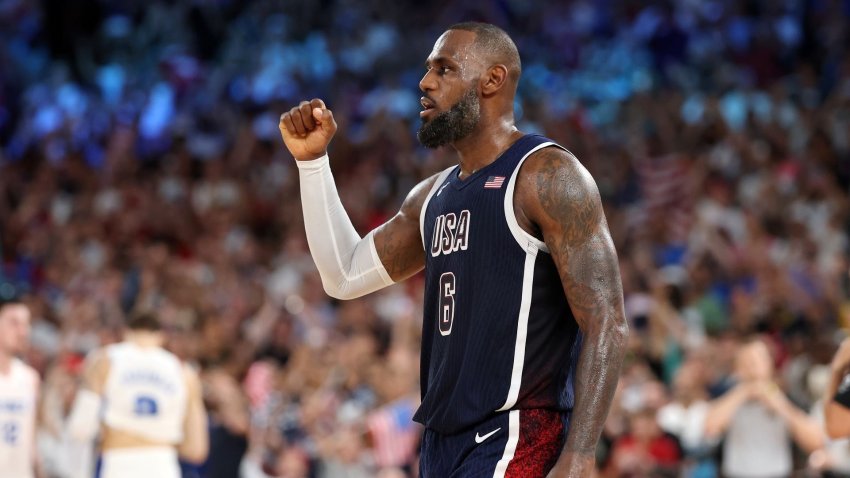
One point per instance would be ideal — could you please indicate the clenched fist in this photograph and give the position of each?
(307, 129)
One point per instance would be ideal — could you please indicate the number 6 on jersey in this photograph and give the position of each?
(447, 303)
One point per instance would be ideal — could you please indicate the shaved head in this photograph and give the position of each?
(495, 45)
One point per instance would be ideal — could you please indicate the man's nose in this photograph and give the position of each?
(428, 83)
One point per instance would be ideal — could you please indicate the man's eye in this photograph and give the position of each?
(441, 70)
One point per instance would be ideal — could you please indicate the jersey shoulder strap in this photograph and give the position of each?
(441, 179)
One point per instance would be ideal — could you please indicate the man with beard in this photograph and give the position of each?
(524, 329)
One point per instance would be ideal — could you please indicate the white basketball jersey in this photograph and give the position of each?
(145, 393)
(18, 399)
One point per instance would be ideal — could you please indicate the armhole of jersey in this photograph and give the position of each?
(523, 238)
(26, 371)
(439, 182)
(111, 353)
(35, 380)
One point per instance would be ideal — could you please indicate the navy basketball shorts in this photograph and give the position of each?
(519, 443)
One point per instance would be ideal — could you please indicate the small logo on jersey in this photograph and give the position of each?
(481, 438)
(441, 189)
(494, 182)
(451, 233)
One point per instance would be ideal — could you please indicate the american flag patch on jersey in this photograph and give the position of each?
(494, 182)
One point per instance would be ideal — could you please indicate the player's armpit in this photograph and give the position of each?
(399, 241)
(561, 201)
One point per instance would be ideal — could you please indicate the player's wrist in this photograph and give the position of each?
(310, 156)
(312, 163)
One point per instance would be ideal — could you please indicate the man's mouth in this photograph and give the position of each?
(427, 106)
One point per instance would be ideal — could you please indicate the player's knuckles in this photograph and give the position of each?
(331, 120)
(307, 115)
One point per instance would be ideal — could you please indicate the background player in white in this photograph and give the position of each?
(18, 393)
(149, 403)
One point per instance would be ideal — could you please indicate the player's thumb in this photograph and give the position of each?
(325, 118)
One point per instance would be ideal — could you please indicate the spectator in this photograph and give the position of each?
(757, 422)
(229, 424)
(645, 450)
(684, 417)
(61, 455)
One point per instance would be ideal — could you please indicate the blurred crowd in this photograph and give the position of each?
(141, 167)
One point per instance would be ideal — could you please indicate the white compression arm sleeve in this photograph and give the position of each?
(349, 265)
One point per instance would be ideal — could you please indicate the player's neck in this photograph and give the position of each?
(5, 363)
(484, 145)
(144, 339)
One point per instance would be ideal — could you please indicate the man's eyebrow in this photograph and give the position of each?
(439, 59)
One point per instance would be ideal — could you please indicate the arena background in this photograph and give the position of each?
(141, 166)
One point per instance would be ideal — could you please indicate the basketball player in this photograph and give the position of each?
(18, 393)
(524, 330)
(149, 402)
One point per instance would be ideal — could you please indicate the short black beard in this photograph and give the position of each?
(452, 125)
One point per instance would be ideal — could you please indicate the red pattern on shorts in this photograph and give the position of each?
(541, 439)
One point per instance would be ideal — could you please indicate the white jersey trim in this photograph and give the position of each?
(510, 447)
(522, 237)
(140, 462)
(440, 179)
(521, 330)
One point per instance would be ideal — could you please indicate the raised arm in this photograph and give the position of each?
(350, 265)
(558, 199)
(806, 432)
(722, 410)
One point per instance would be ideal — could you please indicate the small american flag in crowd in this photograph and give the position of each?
(494, 182)
(395, 437)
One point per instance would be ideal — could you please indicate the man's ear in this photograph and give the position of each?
(494, 79)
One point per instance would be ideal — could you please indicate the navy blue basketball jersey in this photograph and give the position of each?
(498, 333)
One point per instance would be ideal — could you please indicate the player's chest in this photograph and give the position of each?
(459, 222)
